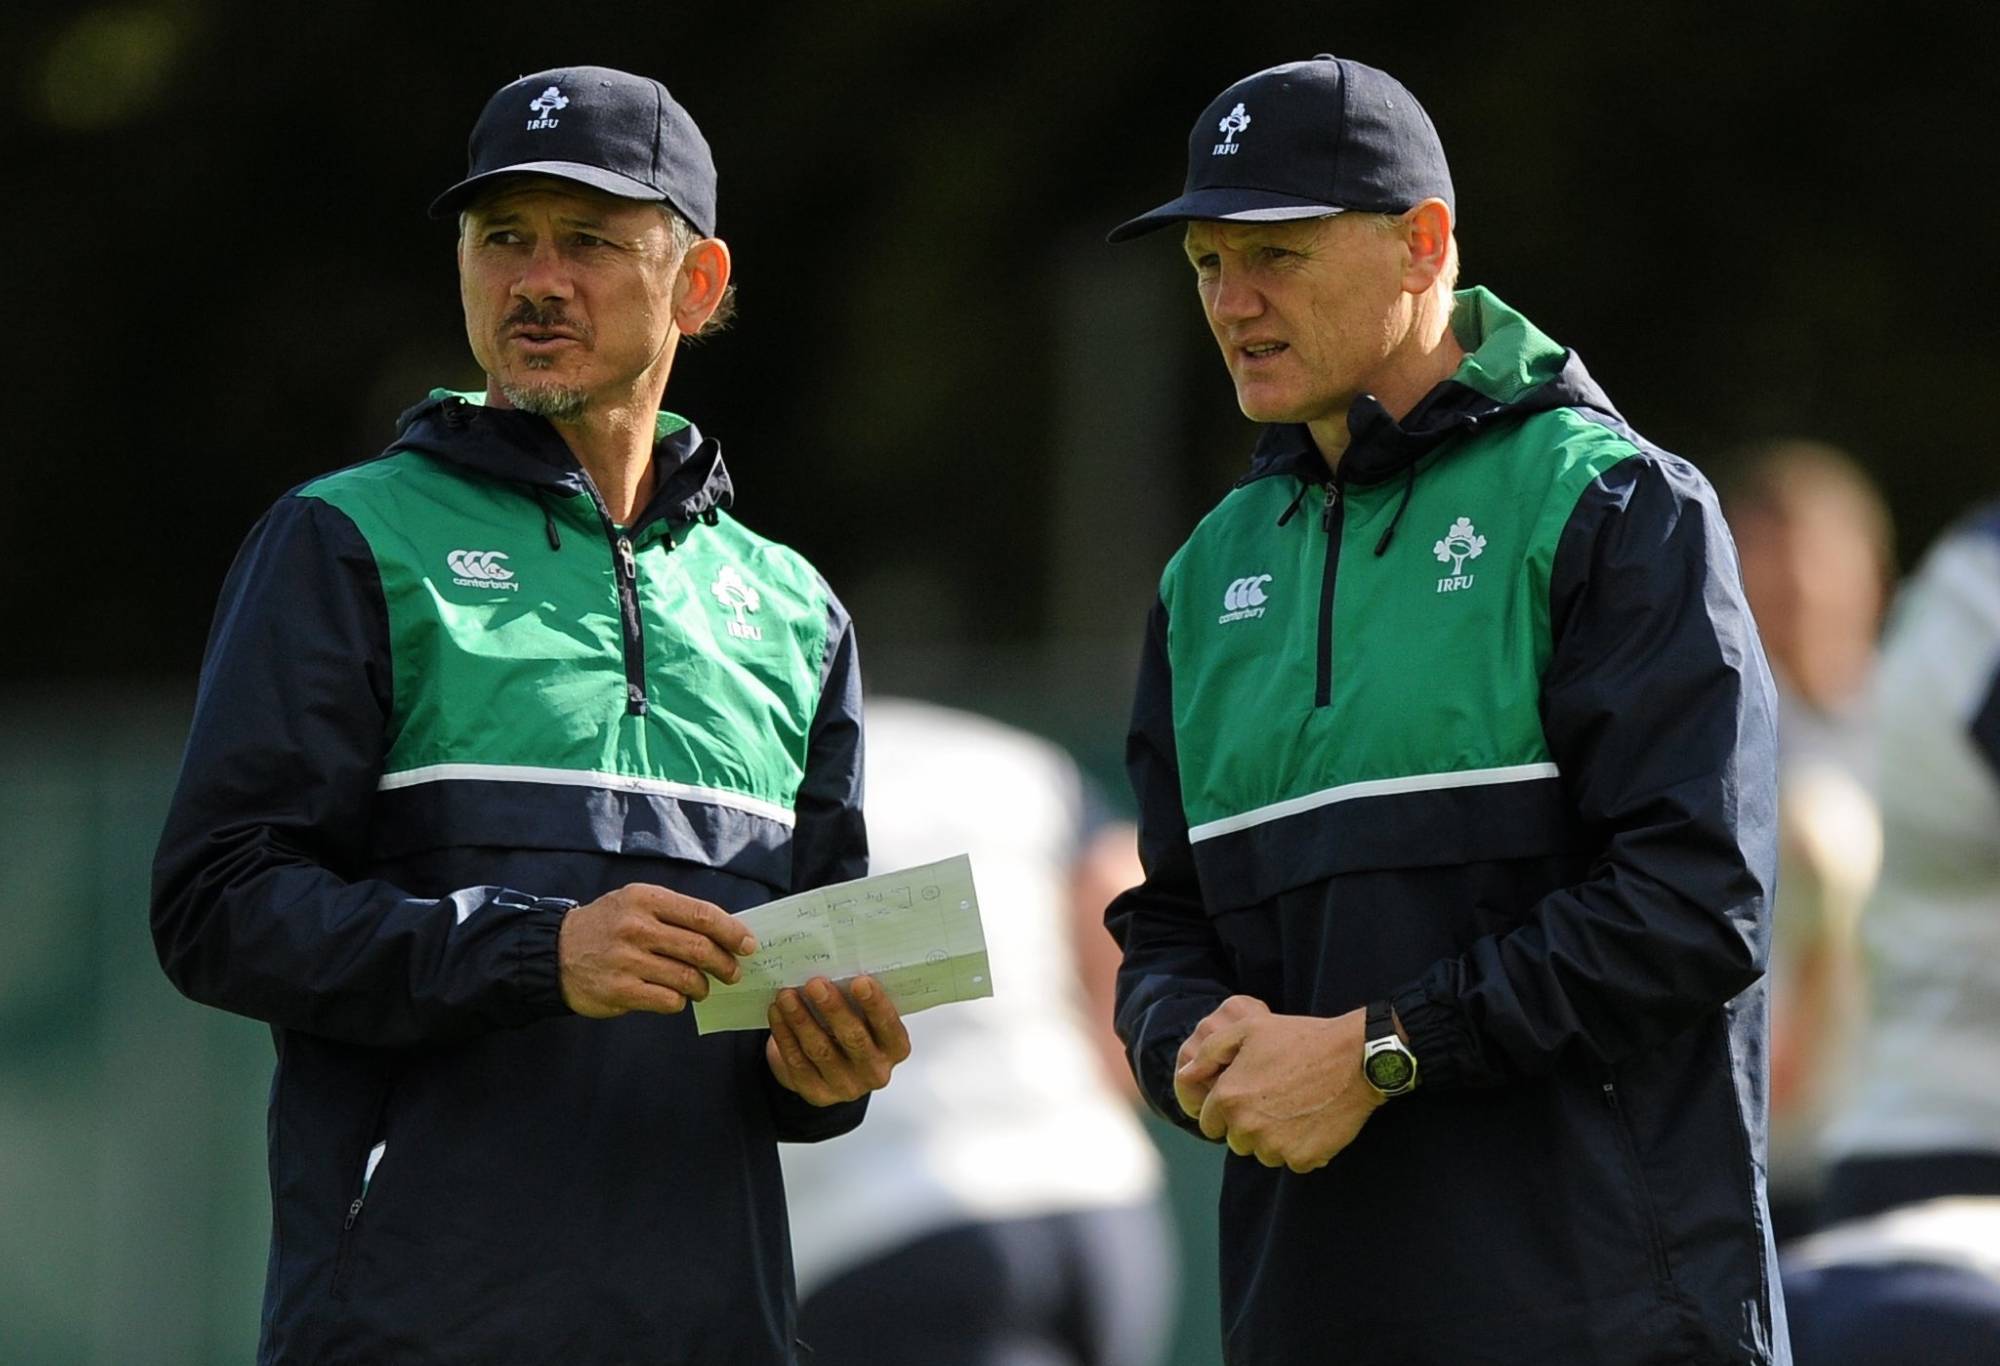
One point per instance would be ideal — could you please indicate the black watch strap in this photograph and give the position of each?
(1381, 1020)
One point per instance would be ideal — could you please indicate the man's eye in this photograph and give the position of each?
(584, 239)
(502, 237)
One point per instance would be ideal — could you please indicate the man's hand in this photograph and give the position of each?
(646, 948)
(1196, 1066)
(1284, 1089)
(849, 1055)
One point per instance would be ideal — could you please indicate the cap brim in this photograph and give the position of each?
(1223, 205)
(594, 176)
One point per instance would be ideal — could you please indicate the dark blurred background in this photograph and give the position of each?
(1754, 220)
(987, 428)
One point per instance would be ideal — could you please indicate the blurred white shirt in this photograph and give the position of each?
(1928, 1070)
(1002, 1110)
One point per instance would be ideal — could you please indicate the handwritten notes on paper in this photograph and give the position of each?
(917, 932)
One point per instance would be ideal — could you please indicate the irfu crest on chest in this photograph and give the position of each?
(1454, 583)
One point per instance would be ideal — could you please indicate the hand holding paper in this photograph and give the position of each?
(835, 1048)
(916, 932)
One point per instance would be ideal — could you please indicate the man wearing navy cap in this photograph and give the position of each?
(1454, 749)
(494, 734)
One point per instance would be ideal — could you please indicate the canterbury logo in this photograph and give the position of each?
(481, 569)
(1244, 599)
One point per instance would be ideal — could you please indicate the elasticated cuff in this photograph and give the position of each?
(1155, 1057)
(1437, 1038)
(537, 972)
(798, 1120)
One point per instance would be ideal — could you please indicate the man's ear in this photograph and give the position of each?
(1427, 234)
(698, 289)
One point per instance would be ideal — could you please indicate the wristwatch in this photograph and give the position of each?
(1388, 1066)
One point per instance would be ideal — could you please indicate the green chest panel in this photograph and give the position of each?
(511, 654)
(1437, 645)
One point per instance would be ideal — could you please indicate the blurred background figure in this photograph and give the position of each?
(1001, 1205)
(1902, 1271)
(1818, 557)
(1919, 1284)
(1923, 1117)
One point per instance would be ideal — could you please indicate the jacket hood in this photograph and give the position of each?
(1511, 370)
(521, 448)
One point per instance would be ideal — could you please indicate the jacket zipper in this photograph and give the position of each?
(340, 1258)
(344, 1249)
(627, 567)
(1656, 1248)
(1332, 519)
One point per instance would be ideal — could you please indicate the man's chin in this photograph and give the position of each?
(545, 398)
(1260, 404)
(1262, 408)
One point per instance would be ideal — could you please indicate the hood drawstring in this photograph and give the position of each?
(1291, 509)
(1409, 487)
(548, 521)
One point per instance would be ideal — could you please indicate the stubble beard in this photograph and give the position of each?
(551, 399)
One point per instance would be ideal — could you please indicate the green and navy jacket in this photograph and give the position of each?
(445, 698)
(1479, 726)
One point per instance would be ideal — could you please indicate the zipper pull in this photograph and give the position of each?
(626, 561)
(353, 1213)
(1332, 506)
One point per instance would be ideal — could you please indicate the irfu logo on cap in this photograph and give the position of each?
(545, 105)
(1234, 122)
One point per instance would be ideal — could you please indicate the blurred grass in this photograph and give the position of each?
(133, 1204)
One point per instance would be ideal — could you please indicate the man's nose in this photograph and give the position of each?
(545, 275)
(1232, 298)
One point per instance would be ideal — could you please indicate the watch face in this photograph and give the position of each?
(1389, 1070)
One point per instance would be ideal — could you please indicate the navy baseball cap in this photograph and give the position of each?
(1305, 140)
(610, 130)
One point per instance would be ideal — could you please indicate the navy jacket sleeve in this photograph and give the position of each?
(258, 906)
(1658, 708)
(1175, 970)
(829, 841)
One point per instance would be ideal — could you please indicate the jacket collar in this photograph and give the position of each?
(520, 448)
(1511, 369)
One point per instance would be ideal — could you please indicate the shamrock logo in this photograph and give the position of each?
(1460, 544)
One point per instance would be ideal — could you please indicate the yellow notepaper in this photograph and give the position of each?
(917, 932)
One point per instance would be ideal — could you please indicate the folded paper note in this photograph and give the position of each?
(916, 932)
